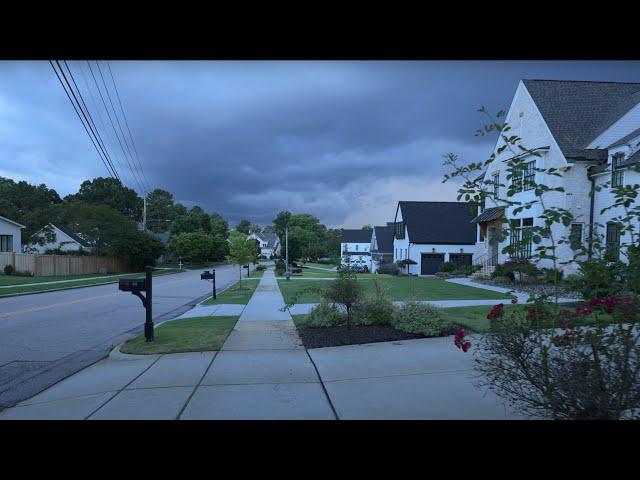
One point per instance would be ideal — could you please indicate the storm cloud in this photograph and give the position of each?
(342, 140)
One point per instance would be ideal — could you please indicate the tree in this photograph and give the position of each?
(255, 229)
(112, 193)
(345, 291)
(219, 226)
(368, 226)
(195, 246)
(281, 222)
(195, 220)
(243, 226)
(241, 250)
(137, 248)
(160, 211)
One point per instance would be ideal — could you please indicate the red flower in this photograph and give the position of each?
(459, 341)
(466, 346)
(496, 311)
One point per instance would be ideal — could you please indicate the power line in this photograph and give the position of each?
(113, 125)
(126, 122)
(110, 169)
(119, 125)
(93, 125)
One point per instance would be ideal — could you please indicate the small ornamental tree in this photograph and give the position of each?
(345, 291)
(241, 250)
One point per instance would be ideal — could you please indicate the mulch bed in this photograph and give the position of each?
(341, 335)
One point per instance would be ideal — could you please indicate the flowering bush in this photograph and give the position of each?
(496, 312)
(459, 340)
(581, 363)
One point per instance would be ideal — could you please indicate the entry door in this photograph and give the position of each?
(431, 263)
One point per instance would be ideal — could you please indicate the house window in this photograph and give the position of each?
(529, 175)
(496, 184)
(575, 236)
(617, 175)
(356, 247)
(613, 240)
(399, 230)
(520, 237)
(6, 243)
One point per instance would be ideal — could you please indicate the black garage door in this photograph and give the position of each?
(460, 259)
(431, 263)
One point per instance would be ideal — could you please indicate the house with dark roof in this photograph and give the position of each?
(354, 247)
(432, 233)
(590, 132)
(56, 236)
(269, 243)
(381, 247)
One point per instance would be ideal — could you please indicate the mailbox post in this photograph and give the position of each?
(135, 286)
(210, 275)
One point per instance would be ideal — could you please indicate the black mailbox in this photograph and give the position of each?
(206, 275)
(132, 285)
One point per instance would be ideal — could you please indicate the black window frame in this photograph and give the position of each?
(529, 175)
(575, 241)
(399, 230)
(6, 243)
(612, 243)
(496, 184)
(520, 237)
(617, 174)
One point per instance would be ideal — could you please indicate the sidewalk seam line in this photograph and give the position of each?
(184, 407)
(324, 389)
(123, 388)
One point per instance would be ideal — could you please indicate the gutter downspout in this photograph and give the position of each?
(591, 208)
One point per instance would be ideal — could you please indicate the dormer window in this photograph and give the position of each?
(399, 230)
(617, 175)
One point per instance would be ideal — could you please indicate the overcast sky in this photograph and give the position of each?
(341, 140)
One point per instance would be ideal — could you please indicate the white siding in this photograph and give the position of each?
(7, 228)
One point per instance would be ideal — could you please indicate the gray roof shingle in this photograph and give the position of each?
(355, 236)
(577, 112)
(384, 238)
(444, 223)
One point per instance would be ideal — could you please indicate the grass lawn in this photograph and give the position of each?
(475, 318)
(397, 288)
(10, 284)
(197, 334)
(233, 294)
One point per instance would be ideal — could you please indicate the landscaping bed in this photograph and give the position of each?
(341, 335)
(534, 288)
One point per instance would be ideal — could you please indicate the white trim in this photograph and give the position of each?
(12, 222)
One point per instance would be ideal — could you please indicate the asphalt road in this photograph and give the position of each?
(46, 337)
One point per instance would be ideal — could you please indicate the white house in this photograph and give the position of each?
(10, 235)
(269, 243)
(431, 233)
(381, 247)
(590, 132)
(354, 247)
(61, 237)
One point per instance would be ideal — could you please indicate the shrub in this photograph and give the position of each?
(502, 280)
(598, 278)
(448, 267)
(389, 269)
(424, 318)
(502, 272)
(260, 268)
(467, 269)
(569, 373)
(325, 314)
(515, 269)
(344, 291)
(296, 270)
(443, 274)
(373, 311)
(548, 275)
(8, 269)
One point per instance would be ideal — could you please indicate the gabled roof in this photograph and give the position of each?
(355, 236)
(577, 112)
(67, 231)
(384, 238)
(5, 219)
(444, 223)
(489, 214)
(270, 238)
(626, 139)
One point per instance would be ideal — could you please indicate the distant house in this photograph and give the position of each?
(269, 243)
(10, 235)
(354, 247)
(381, 247)
(56, 236)
(431, 233)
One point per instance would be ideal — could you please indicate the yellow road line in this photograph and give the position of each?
(71, 302)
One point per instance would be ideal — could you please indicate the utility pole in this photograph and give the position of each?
(286, 241)
(144, 213)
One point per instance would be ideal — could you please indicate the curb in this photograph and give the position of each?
(9, 295)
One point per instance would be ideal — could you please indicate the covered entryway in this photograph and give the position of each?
(460, 259)
(431, 263)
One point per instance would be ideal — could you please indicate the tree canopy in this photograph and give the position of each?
(112, 193)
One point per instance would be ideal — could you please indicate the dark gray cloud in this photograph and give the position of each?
(341, 140)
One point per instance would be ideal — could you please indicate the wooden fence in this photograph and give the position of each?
(49, 265)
